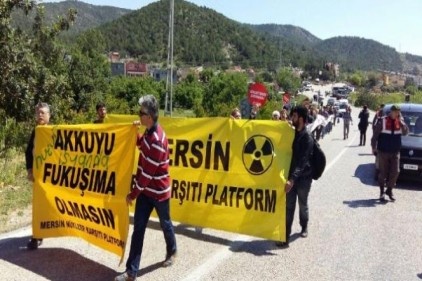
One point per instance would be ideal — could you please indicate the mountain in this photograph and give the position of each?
(294, 34)
(359, 53)
(88, 16)
(205, 37)
(201, 36)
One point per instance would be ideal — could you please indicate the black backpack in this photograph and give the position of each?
(318, 161)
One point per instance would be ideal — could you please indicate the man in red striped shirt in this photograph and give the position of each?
(152, 189)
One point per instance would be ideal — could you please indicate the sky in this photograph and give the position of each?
(394, 23)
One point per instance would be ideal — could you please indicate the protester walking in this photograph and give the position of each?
(377, 117)
(299, 180)
(152, 189)
(386, 144)
(363, 124)
(42, 115)
(347, 121)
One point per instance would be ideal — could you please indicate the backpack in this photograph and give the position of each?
(318, 161)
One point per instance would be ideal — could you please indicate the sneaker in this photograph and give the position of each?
(169, 261)
(282, 245)
(125, 277)
(34, 243)
(304, 233)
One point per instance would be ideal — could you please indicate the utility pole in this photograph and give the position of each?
(168, 110)
(280, 49)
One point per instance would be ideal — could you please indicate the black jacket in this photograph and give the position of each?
(364, 117)
(29, 157)
(300, 166)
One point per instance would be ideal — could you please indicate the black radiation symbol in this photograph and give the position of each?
(258, 153)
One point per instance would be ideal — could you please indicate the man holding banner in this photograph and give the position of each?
(152, 189)
(42, 114)
(300, 174)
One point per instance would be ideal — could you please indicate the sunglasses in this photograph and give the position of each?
(142, 113)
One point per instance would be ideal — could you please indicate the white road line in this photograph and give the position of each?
(211, 263)
(331, 164)
(225, 253)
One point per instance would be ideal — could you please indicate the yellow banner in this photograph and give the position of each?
(228, 174)
(82, 176)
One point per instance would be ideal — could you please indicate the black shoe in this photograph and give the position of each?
(34, 243)
(389, 192)
(282, 245)
(304, 233)
(382, 194)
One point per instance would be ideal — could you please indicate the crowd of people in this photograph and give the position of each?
(310, 122)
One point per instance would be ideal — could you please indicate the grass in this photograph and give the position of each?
(15, 191)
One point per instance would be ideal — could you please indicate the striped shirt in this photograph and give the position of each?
(152, 176)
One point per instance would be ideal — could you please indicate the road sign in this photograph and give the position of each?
(257, 94)
(286, 98)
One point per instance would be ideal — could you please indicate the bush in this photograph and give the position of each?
(13, 135)
(374, 100)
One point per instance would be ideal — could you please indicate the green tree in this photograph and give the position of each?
(17, 64)
(372, 80)
(189, 92)
(357, 79)
(224, 92)
(129, 89)
(31, 65)
(89, 71)
(287, 80)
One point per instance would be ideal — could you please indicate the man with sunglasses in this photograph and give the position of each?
(152, 190)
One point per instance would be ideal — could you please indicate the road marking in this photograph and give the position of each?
(223, 254)
(340, 154)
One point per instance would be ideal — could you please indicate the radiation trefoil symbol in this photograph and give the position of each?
(258, 154)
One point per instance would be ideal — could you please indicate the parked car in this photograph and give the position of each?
(336, 105)
(343, 104)
(411, 150)
(331, 101)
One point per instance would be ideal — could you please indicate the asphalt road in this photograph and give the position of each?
(352, 236)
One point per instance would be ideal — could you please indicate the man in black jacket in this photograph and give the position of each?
(299, 181)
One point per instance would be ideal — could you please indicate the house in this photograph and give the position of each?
(160, 74)
(114, 57)
(117, 68)
(136, 68)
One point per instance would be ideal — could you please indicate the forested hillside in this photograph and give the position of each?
(205, 37)
(359, 53)
(202, 36)
(294, 34)
(88, 16)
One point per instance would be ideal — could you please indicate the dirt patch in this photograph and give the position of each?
(16, 219)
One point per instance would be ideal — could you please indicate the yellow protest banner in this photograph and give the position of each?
(228, 174)
(82, 175)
